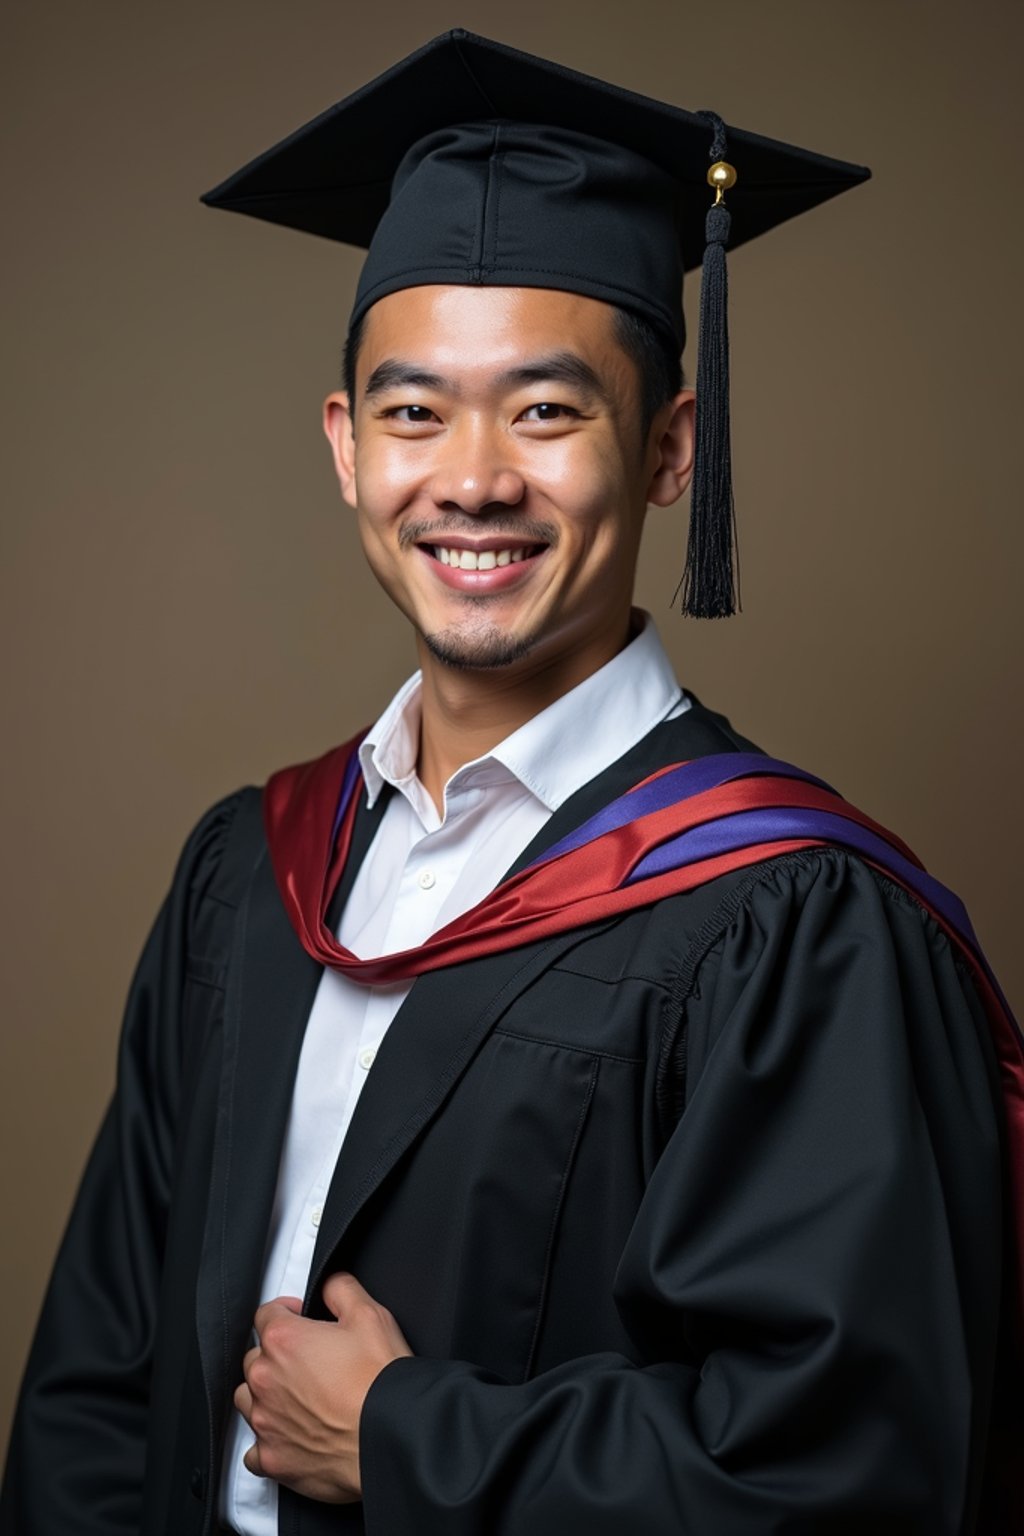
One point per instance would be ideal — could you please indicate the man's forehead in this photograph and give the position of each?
(457, 325)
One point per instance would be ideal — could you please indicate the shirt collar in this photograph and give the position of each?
(556, 752)
(388, 751)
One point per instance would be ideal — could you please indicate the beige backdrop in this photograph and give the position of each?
(187, 607)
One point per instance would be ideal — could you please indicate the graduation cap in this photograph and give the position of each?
(470, 162)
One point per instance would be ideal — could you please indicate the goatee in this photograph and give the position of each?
(486, 650)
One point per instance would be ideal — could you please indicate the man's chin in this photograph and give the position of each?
(487, 650)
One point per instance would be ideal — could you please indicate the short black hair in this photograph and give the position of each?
(350, 357)
(657, 363)
(656, 360)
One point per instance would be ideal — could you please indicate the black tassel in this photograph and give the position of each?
(711, 578)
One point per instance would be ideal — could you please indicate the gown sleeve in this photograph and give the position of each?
(77, 1450)
(812, 1279)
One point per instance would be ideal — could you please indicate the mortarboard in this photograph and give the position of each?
(470, 162)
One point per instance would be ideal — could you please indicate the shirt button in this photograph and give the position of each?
(427, 880)
(316, 1214)
(367, 1056)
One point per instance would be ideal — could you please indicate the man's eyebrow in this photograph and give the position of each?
(563, 367)
(394, 373)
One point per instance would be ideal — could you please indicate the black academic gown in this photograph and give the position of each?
(691, 1217)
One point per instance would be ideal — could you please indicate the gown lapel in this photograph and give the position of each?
(270, 993)
(432, 1039)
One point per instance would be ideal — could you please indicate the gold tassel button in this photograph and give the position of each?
(721, 176)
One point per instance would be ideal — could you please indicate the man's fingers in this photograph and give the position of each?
(251, 1460)
(341, 1291)
(243, 1402)
(280, 1305)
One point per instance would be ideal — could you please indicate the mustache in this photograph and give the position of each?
(480, 525)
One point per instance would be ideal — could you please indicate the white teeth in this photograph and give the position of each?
(472, 560)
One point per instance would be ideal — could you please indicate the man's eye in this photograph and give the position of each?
(548, 410)
(414, 414)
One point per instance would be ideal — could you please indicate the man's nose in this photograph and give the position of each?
(477, 470)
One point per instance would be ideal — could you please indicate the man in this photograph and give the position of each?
(546, 1113)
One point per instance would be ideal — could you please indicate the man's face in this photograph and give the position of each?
(498, 472)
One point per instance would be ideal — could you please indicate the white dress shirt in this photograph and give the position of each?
(422, 870)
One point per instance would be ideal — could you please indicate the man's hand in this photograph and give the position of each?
(305, 1385)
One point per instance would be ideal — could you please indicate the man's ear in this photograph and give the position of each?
(672, 443)
(339, 433)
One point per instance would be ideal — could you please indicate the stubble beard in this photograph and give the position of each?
(486, 649)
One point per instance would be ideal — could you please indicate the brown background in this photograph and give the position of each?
(186, 607)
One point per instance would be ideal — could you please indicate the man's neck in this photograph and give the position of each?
(467, 712)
